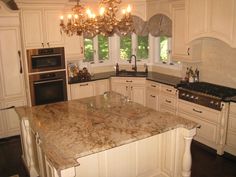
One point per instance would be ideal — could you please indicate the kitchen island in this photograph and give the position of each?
(104, 136)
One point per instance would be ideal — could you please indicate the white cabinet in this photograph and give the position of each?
(41, 27)
(180, 50)
(12, 89)
(152, 95)
(196, 14)
(101, 86)
(82, 90)
(231, 131)
(133, 88)
(211, 18)
(74, 47)
(168, 99)
(209, 120)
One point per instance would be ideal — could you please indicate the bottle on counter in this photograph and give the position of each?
(117, 69)
(196, 75)
(146, 68)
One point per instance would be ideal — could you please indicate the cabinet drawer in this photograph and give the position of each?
(152, 85)
(168, 101)
(128, 80)
(207, 131)
(168, 89)
(200, 111)
(152, 99)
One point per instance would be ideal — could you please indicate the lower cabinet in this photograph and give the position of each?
(88, 89)
(211, 131)
(168, 99)
(133, 88)
(82, 90)
(152, 95)
(102, 86)
(10, 125)
(231, 131)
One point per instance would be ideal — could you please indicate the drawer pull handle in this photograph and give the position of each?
(83, 84)
(153, 85)
(126, 88)
(168, 101)
(153, 96)
(129, 81)
(168, 90)
(197, 111)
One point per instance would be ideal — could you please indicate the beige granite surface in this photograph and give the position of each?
(73, 129)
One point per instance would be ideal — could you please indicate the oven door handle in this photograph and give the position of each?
(47, 81)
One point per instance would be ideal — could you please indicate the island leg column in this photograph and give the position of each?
(187, 157)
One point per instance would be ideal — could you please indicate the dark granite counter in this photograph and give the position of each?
(153, 76)
(233, 99)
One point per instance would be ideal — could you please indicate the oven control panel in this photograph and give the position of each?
(201, 99)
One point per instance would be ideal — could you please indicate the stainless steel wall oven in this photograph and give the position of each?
(48, 87)
(45, 59)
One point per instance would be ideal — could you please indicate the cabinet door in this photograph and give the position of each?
(152, 99)
(32, 28)
(12, 119)
(196, 18)
(82, 90)
(102, 86)
(138, 94)
(12, 79)
(222, 19)
(53, 36)
(121, 88)
(74, 47)
(179, 48)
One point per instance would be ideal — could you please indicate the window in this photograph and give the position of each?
(162, 48)
(96, 50)
(103, 48)
(134, 44)
(125, 47)
(88, 50)
(142, 47)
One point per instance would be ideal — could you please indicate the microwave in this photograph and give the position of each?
(47, 59)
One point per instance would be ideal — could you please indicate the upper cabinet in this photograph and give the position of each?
(41, 27)
(211, 18)
(181, 51)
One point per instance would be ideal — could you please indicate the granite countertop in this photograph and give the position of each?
(153, 76)
(73, 129)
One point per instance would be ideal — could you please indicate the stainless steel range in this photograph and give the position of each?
(206, 94)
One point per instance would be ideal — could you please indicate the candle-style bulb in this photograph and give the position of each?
(129, 9)
(101, 11)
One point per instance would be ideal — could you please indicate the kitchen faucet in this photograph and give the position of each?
(135, 62)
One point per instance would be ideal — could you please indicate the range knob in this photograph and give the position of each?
(196, 98)
(212, 102)
(217, 103)
(192, 97)
(187, 95)
(183, 94)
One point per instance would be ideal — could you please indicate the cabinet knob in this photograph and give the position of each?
(43, 45)
(48, 44)
(81, 50)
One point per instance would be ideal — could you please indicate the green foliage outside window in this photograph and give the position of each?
(125, 47)
(103, 48)
(164, 49)
(88, 50)
(143, 47)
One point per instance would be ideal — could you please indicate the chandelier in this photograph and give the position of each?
(85, 22)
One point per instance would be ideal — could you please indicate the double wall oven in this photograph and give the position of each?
(47, 75)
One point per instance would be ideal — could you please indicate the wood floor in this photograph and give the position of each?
(205, 161)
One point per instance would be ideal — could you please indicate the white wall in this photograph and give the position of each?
(218, 63)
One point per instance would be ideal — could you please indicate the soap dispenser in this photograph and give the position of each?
(117, 68)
